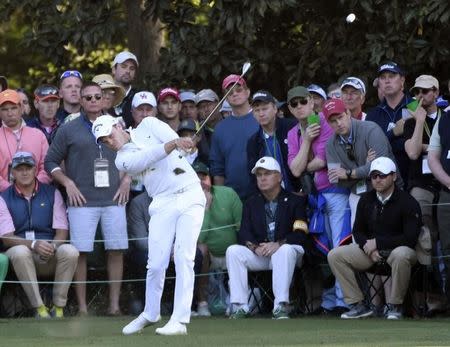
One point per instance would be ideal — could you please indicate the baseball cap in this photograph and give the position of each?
(314, 88)
(187, 124)
(106, 81)
(268, 163)
(297, 92)
(354, 82)
(226, 107)
(263, 96)
(144, 97)
(206, 95)
(124, 56)
(391, 67)
(46, 92)
(426, 82)
(20, 158)
(3, 82)
(200, 167)
(332, 107)
(103, 126)
(384, 165)
(9, 95)
(231, 79)
(187, 96)
(164, 93)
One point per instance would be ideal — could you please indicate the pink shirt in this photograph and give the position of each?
(59, 216)
(318, 148)
(26, 139)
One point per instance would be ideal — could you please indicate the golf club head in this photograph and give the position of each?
(245, 67)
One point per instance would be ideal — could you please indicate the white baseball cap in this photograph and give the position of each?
(187, 96)
(314, 88)
(144, 97)
(103, 126)
(124, 56)
(226, 107)
(354, 82)
(384, 165)
(268, 163)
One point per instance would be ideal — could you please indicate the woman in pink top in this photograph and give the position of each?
(307, 153)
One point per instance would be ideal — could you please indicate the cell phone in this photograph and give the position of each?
(412, 106)
(313, 119)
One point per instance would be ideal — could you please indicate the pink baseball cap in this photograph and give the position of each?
(164, 93)
(332, 107)
(232, 79)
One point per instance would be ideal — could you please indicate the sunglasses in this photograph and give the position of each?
(350, 151)
(294, 103)
(90, 97)
(46, 91)
(71, 73)
(423, 91)
(378, 175)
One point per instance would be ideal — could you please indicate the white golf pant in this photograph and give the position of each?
(176, 216)
(240, 260)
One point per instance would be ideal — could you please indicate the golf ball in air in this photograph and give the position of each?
(350, 18)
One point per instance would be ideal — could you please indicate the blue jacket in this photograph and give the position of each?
(256, 149)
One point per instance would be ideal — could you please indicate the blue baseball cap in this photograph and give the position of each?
(391, 67)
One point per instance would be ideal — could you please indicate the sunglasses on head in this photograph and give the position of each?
(423, 91)
(294, 103)
(374, 176)
(90, 97)
(349, 150)
(46, 91)
(71, 73)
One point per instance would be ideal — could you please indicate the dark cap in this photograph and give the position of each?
(200, 167)
(297, 92)
(45, 92)
(263, 96)
(391, 67)
(187, 124)
(22, 158)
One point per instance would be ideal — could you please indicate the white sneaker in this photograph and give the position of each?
(136, 325)
(203, 310)
(172, 328)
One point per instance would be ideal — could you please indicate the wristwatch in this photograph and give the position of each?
(349, 173)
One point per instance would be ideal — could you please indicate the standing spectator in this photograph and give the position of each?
(319, 96)
(387, 226)
(353, 95)
(3, 83)
(307, 154)
(69, 91)
(46, 102)
(220, 227)
(18, 137)
(273, 235)
(95, 193)
(188, 128)
(206, 100)
(143, 105)
(439, 162)
(113, 94)
(124, 70)
(391, 113)
(188, 106)
(25, 103)
(270, 139)
(169, 107)
(34, 228)
(225, 109)
(228, 156)
(354, 145)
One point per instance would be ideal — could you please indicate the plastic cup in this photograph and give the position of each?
(333, 166)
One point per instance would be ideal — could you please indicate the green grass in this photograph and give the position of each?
(310, 331)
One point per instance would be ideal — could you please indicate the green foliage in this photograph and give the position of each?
(288, 41)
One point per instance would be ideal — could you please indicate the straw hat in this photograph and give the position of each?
(106, 81)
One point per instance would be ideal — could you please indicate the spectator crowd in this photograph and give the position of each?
(316, 179)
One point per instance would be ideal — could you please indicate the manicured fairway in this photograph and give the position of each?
(310, 331)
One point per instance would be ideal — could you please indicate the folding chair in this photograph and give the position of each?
(260, 296)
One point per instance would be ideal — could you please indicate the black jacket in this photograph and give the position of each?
(256, 149)
(395, 224)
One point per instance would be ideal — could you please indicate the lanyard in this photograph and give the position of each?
(274, 145)
(18, 140)
(88, 124)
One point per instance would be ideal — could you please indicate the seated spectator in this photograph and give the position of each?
(189, 109)
(169, 107)
(219, 230)
(34, 229)
(270, 139)
(46, 102)
(18, 137)
(387, 226)
(273, 235)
